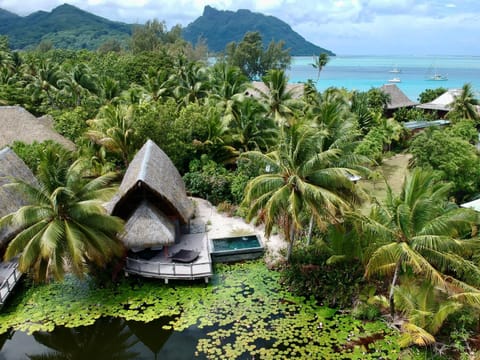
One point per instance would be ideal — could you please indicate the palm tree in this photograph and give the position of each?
(78, 83)
(248, 127)
(418, 231)
(228, 85)
(320, 62)
(110, 90)
(301, 176)
(44, 78)
(464, 105)
(157, 85)
(113, 129)
(64, 225)
(277, 98)
(192, 81)
(425, 308)
(332, 116)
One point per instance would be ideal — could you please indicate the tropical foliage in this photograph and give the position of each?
(419, 232)
(64, 225)
(302, 176)
(293, 160)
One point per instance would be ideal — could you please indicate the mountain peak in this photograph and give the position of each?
(220, 27)
(67, 26)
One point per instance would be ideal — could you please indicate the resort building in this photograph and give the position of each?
(11, 166)
(417, 126)
(153, 202)
(397, 99)
(442, 104)
(17, 124)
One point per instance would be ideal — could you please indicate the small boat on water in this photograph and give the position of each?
(438, 77)
(433, 75)
(394, 80)
(395, 70)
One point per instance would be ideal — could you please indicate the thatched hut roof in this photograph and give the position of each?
(11, 166)
(397, 98)
(148, 227)
(152, 176)
(257, 87)
(17, 124)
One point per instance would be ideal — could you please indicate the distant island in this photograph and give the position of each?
(69, 27)
(219, 28)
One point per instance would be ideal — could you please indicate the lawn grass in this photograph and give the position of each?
(393, 171)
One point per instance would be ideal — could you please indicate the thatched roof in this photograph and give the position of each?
(152, 176)
(11, 166)
(17, 124)
(256, 87)
(148, 227)
(443, 102)
(397, 98)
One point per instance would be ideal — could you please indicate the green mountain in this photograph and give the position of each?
(7, 16)
(66, 26)
(69, 27)
(219, 28)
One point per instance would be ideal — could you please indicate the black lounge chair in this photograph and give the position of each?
(185, 256)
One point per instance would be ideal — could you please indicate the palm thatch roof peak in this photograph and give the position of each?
(17, 124)
(397, 98)
(11, 167)
(151, 175)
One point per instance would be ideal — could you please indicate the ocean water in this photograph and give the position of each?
(364, 72)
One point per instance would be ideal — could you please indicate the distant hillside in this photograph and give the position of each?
(66, 26)
(219, 28)
(7, 16)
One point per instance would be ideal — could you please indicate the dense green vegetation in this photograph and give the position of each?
(286, 159)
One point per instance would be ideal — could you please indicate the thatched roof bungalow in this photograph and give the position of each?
(397, 98)
(152, 193)
(17, 124)
(11, 166)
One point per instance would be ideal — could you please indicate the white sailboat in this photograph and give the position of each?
(438, 77)
(435, 76)
(395, 70)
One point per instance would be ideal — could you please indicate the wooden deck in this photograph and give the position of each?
(9, 277)
(161, 266)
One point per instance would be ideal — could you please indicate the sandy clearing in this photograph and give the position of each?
(221, 225)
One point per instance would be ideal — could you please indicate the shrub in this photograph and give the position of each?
(335, 285)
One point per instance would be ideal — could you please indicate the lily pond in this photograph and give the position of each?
(244, 313)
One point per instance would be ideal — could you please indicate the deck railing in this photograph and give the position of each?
(9, 282)
(169, 270)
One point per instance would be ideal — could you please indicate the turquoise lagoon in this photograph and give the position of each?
(364, 72)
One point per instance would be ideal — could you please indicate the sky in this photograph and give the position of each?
(346, 27)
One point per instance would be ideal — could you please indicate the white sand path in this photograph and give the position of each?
(222, 225)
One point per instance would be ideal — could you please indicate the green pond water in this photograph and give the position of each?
(245, 313)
